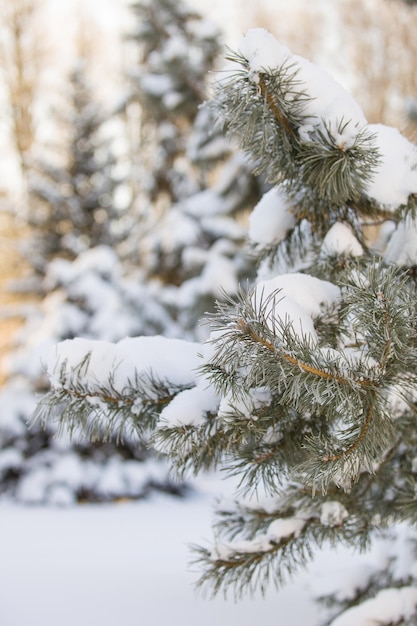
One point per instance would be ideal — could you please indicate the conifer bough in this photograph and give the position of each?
(306, 388)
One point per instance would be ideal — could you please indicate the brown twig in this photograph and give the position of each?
(269, 99)
(305, 367)
(346, 453)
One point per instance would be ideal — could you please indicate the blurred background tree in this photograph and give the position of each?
(73, 190)
(96, 282)
(22, 56)
(192, 188)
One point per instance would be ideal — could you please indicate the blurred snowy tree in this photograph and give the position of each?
(88, 297)
(77, 224)
(194, 187)
(306, 389)
(74, 202)
(176, 48)
(195, 250)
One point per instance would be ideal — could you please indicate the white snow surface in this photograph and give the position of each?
(396, 176)
(294, 299)
(101, 565)
(271, 219)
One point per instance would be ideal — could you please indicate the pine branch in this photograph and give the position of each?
(266, 112)
(98, 409)
(254, 350)
(192, 448)
(241, 566)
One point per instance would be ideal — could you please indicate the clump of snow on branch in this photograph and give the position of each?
(271, 219)
(396, 176)
(190, 407)
(389, 606)
(340, 240)
(294, 299)
(278, 530)
(172, 360)
(333, 513)
(330, 105)
(402, 246)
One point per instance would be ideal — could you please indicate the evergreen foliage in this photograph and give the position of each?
(194, 186)
(176, 49)
(87, 292)
(306, 388)
(73, 205)
(89, 297)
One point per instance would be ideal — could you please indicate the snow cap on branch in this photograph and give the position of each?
(340, 240)
(328, 104)
(396, 176)
(262, 50)
(173, 360)
(271, 218)
(402, 246)
(278, 530)
(387, 607)
(189, 407)
(294, 299)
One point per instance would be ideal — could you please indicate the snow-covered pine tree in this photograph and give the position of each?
(193, 185)
(73, 193)
(77, 229)
(89, 297)
(175, 49)
(306, 388)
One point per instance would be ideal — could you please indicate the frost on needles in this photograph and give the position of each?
(305, 389)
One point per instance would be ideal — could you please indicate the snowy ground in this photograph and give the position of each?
(125, 564)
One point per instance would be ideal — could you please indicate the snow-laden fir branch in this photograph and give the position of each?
(279, 541)
(104, 390)
(264, 349)
(347, 386)
(273, 100)
(299, 126)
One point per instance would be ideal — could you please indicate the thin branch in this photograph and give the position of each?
(305, 367)
(269, 99)
(388, 345)
(355, 445)
(127, 400)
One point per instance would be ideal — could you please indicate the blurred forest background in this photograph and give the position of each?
(123, 208)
